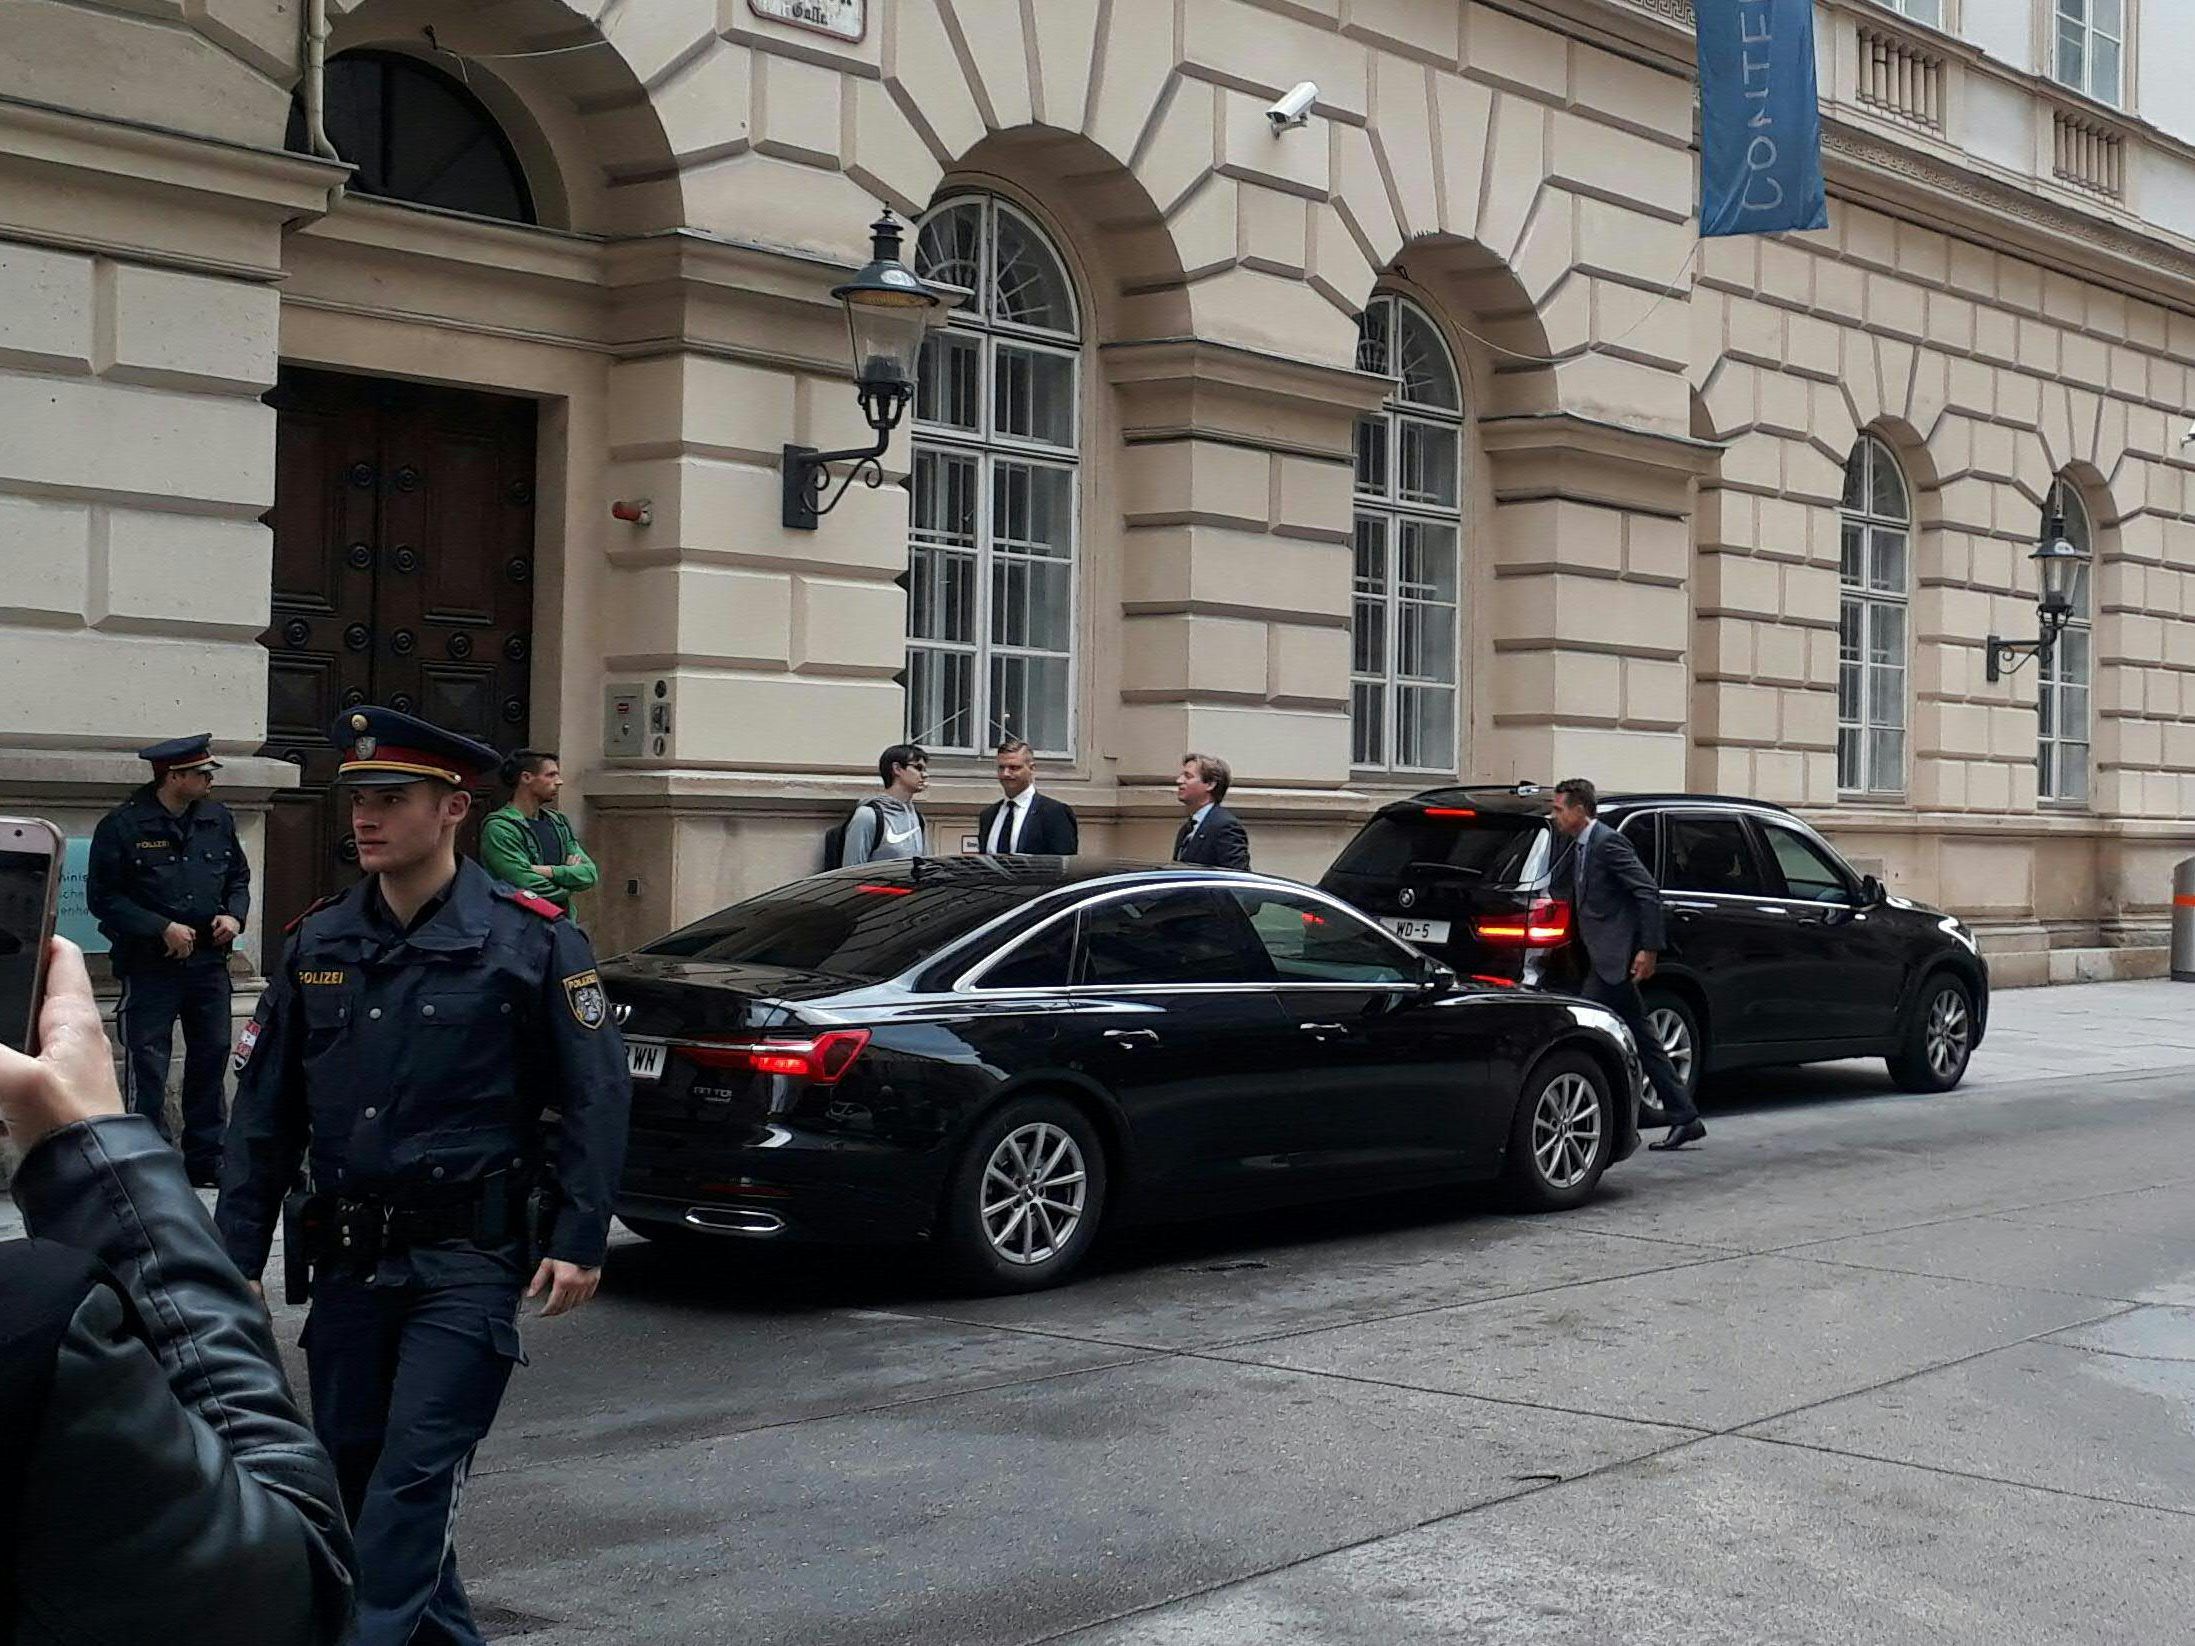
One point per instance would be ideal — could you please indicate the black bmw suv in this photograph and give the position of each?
(1778, 951)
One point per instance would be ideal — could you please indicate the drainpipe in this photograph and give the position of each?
(314, 90)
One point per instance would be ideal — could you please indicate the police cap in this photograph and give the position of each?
(181, 754)
(382, 747)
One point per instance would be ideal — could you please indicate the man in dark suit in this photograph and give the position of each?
(1619, 915)
(1213, 836)
(1025, 821)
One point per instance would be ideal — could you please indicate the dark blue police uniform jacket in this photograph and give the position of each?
(149, 868)
(409, 1064)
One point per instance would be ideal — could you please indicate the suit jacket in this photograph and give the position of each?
(1618, 908)
(1219, 842)
(1049, 830)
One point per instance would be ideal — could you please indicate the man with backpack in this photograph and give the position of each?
(887, 825)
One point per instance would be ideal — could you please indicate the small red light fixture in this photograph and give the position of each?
(822, 1061)
(634, 511)
(1450, 811)
(886, 891)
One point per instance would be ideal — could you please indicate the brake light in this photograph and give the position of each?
(1450, 811)
(1546, 925)
(1497, 982)
(888, 891)
(822, 1061)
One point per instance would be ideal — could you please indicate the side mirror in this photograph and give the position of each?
(1871, 891)
(1440, 978)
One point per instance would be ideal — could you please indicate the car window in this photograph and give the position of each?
(848, 926)
(1711, 854)
(1309, 942)
(1043, 962)
(1644, 833)
(1175, 935)
(1499, 848)
(1807, 870)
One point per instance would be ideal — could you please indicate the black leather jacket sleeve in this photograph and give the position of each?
(172, 1490)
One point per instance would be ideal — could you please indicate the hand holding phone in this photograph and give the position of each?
(72, 1077)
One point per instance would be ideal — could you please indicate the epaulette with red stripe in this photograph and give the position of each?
(332, 897)
(531, 903)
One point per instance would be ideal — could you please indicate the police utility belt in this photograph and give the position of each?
(325, 1230)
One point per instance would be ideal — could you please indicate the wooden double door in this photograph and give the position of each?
(403, 576)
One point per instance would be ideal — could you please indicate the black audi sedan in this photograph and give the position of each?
(1779, 951)
(998, 1055)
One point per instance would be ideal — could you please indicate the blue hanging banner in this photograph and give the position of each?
(1760, 118)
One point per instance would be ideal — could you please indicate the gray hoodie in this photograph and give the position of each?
(902, 835)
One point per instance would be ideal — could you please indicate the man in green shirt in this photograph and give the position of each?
(529, 843)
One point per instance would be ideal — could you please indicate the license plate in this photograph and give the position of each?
(1416, 931)
(645, 1058)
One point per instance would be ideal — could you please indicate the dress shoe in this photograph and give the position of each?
(209, 1177)
(1690, 1132)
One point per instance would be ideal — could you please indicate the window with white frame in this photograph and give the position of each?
(991, 589)
(1921, 11)
(1874, 578)
(1409, 528)
(2089, 48)
(2061, 750)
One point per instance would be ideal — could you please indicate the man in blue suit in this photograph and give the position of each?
(1213, 836)
(1619, 919)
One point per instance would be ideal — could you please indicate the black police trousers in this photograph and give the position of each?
(405, 1383)
(152, 1000)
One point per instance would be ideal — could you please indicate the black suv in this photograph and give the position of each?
(1778, 951)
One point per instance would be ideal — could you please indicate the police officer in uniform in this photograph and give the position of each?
(405, 1051)
(170, 886)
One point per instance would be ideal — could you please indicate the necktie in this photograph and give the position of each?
(1584, 842)
(1181, 840)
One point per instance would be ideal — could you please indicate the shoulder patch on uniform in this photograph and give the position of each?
(583, 993)
(245, 1043)
(534, 905)
(332, 897)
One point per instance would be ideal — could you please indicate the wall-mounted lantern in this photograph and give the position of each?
(887, 315)
(2058, 565)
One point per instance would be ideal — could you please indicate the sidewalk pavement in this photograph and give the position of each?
(2034, 1034)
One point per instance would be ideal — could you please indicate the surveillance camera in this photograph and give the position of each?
(1294, 109)
(2190, 435)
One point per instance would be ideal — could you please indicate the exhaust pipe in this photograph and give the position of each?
(734, 1220)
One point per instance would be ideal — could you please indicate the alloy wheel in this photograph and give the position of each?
(1566, 1130)
(1949, 1034)
(1035, 1190)
(1675, 1036)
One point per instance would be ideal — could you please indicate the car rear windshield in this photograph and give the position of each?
(1500, 848)
(845, 926)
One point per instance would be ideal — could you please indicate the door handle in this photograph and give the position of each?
(1129, 1039)
(1689, 908)
(1325, 1031)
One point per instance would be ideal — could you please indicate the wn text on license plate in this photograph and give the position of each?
(645, 1058)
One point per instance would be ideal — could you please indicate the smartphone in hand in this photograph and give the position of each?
(30, 895)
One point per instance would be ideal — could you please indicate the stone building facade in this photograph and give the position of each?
(1423, 440)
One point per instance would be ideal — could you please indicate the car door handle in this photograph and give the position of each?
(1689, 908)
(1129, 1039)
(1325, 1031)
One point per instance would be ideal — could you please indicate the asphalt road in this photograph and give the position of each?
(1862, 1368)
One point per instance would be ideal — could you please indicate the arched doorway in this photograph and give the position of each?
(404, 513)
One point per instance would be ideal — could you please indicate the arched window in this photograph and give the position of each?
(417, 134)
(1409, 528)
(1875, 579)
(2061, 752)
(991, 597)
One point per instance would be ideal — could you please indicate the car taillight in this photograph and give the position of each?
(822, 1061)
(1546, 925)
